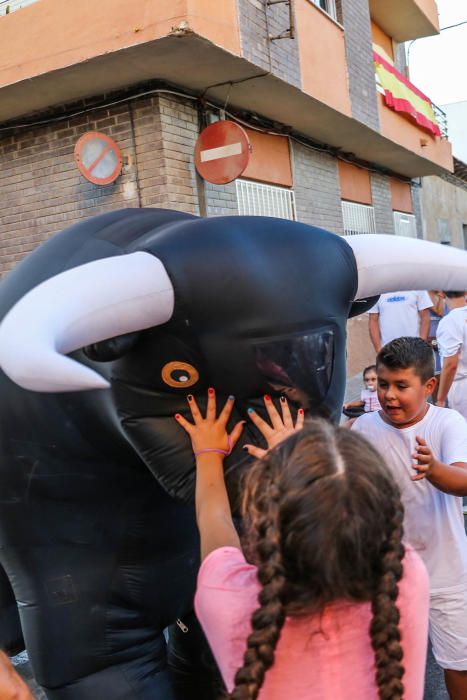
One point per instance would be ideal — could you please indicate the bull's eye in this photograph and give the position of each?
(179, 374)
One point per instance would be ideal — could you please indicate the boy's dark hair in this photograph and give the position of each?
(368, 369)
(408, 352)
(455, 295)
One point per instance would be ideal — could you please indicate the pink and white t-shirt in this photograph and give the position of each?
(327, 656)
(370, 400)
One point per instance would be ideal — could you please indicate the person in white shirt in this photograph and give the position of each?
(399, 314)
(426, 449)
(451, 336)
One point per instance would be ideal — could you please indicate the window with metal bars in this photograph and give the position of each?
(405, 224)
(256, 199)
(358, 218)
(444, 231)
(7, 6)
(329, 6)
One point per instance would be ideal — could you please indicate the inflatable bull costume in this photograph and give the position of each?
(106, 328)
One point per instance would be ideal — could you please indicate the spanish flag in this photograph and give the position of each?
(402, 96)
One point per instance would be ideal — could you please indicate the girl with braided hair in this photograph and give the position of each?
(327, 604)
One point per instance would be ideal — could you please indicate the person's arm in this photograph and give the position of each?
(424, 323)
(12, 686)
(375, 334)
(449, 478)
(211, 443)
(448, 372)
(358, 404)
(213, 513)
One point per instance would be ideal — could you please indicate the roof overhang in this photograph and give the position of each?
(195, 64)
(405, 19)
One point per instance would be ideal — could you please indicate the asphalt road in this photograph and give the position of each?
(434, 683)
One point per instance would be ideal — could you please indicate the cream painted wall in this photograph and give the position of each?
(442, 199)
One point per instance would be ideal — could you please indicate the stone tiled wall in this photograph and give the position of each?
(381, 194)
(417, 210)
(221, 200)
(355, 16)
(400, 60)
(257, 23)
(316, 185)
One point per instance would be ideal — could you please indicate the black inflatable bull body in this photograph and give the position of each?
(97, 530)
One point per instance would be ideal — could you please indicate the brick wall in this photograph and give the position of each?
(316, 185)
(221, 200)
(381, 194)
(355, 16)
(43, 191)
(179, 130)
(165, 132)
(257, 23)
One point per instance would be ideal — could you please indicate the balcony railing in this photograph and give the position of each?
(358, 218)
(442, 119)
(7, 6)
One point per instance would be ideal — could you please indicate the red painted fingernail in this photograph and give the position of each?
(301, 411)
(210, 392)
(283, 399)
(177, 416)
(190, 397)
(267, 397)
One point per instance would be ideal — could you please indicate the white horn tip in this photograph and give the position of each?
(51, 373)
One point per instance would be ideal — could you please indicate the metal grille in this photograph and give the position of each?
(405, 224)
(442, 119)
(7, 6)
(328, 6)
(255, 199)
(358, 218)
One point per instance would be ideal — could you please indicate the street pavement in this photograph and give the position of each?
(434, 683)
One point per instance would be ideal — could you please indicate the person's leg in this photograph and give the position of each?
(448, 633)
(456, 684)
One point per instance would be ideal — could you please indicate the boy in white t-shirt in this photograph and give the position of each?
(425, 446)
(451, 336)
(399, 314)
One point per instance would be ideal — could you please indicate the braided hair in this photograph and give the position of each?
(323, 523)
(384, 629)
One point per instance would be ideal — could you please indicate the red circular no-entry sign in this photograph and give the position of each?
(98, 158)
(222, 152)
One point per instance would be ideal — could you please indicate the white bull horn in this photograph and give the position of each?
(394, 263)
(84, 305)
